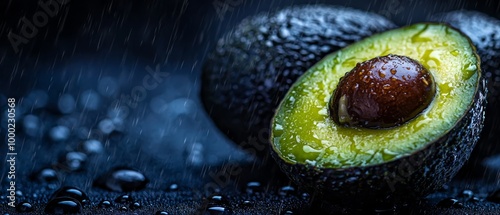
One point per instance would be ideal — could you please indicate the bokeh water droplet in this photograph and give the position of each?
(92, 147)
(90, 100)
(59, 133)
(66, 104)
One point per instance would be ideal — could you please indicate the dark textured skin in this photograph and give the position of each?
(382, 92)
(253, 66)
(484, 32)
(413, 176)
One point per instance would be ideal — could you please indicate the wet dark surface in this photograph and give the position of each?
(83, 109)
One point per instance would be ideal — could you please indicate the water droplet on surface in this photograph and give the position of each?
(63, 205)
(161, 213)
(59, 133)
(105, 204)
(247, 203)
(450, 203)
(72, 192)
(254, 187)
(216, 210)
(287, 190)
(135, 205)
(24, 207)
(123, 179)
(125, 198)
(106, 126)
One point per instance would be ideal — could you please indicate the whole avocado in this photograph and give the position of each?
(484, 32)
(254, 65)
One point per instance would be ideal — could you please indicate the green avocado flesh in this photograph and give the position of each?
(303, 132)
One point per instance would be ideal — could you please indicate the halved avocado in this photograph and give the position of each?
(253, 66)
(408, 158)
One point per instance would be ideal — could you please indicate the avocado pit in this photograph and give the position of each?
(382, 92)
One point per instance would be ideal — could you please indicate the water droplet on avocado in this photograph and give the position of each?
(423, 36)
(161, 213)
(469, 71)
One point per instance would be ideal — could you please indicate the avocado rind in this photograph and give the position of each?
(420, 173)
(253, 66)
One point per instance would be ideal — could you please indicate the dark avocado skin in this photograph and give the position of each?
(484, 32)
(253, 66)
(406, 178)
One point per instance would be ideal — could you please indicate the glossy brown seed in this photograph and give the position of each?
(382, 92)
